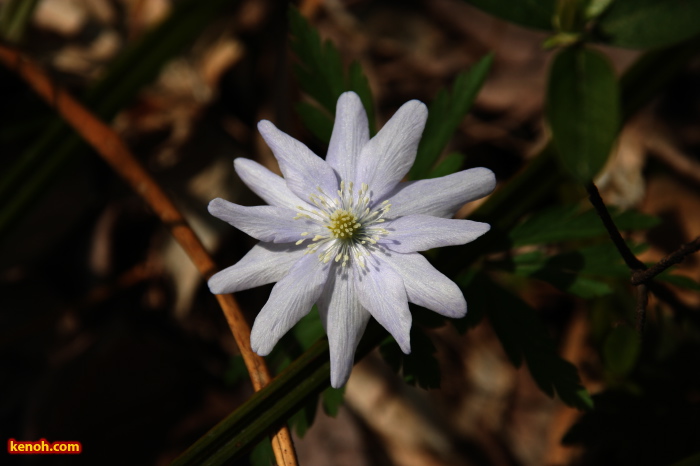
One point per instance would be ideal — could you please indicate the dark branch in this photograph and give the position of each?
(630, 259)
(643, 276)
(641, 311)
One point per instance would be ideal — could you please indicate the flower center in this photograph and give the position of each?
(343, 224)
(349, 227)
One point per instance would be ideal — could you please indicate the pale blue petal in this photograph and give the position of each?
(303, 170)
(440, 197)
(265, 263)
(345, 321)
(265, 223)
(382, 292)
(350, 134)
(427, 287)
(422, 232)
(290, 300)
(269, 186)
(388, 156)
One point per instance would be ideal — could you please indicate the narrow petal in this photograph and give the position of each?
(265, 263)
(422, 232)
(290, 300)
(382, 292)
(350, 134)
(345, 321)
(269, 186)
(388, 156)
(303, 170)
(265, 223)
(426, 286)
(440, 197)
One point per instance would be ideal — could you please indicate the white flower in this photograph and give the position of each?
(344, 233)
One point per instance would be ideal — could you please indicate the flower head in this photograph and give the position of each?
(344, 233)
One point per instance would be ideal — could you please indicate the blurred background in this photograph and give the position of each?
(108, 334)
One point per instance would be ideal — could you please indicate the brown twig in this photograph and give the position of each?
(115, 152)
(675, 257)
(630, 259)
(641, 275)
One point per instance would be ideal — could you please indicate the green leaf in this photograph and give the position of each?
(621, 350)
(524, 338)
(302, 420)
(319, 122)
(451, 164)
(540, 179)
(262, 454)
(631, 220)
(583, 110)
(569, 16)
(446, 113)
(332, 400)
(321, 74)
(418, 368)
(426, 318)
(569, 222)
(679, 280)
(309, 329)
(649, 23)
(536, 14)
(566, 279)
(236, 371)
(357, 81)
(320, 70)
(595, 8)
(564, 271)
(583, 272)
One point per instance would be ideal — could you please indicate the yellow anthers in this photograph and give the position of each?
(351, 230)
(343, 224)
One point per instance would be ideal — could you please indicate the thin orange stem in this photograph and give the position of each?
(114, 151)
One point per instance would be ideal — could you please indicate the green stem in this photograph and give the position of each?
(307, 376)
